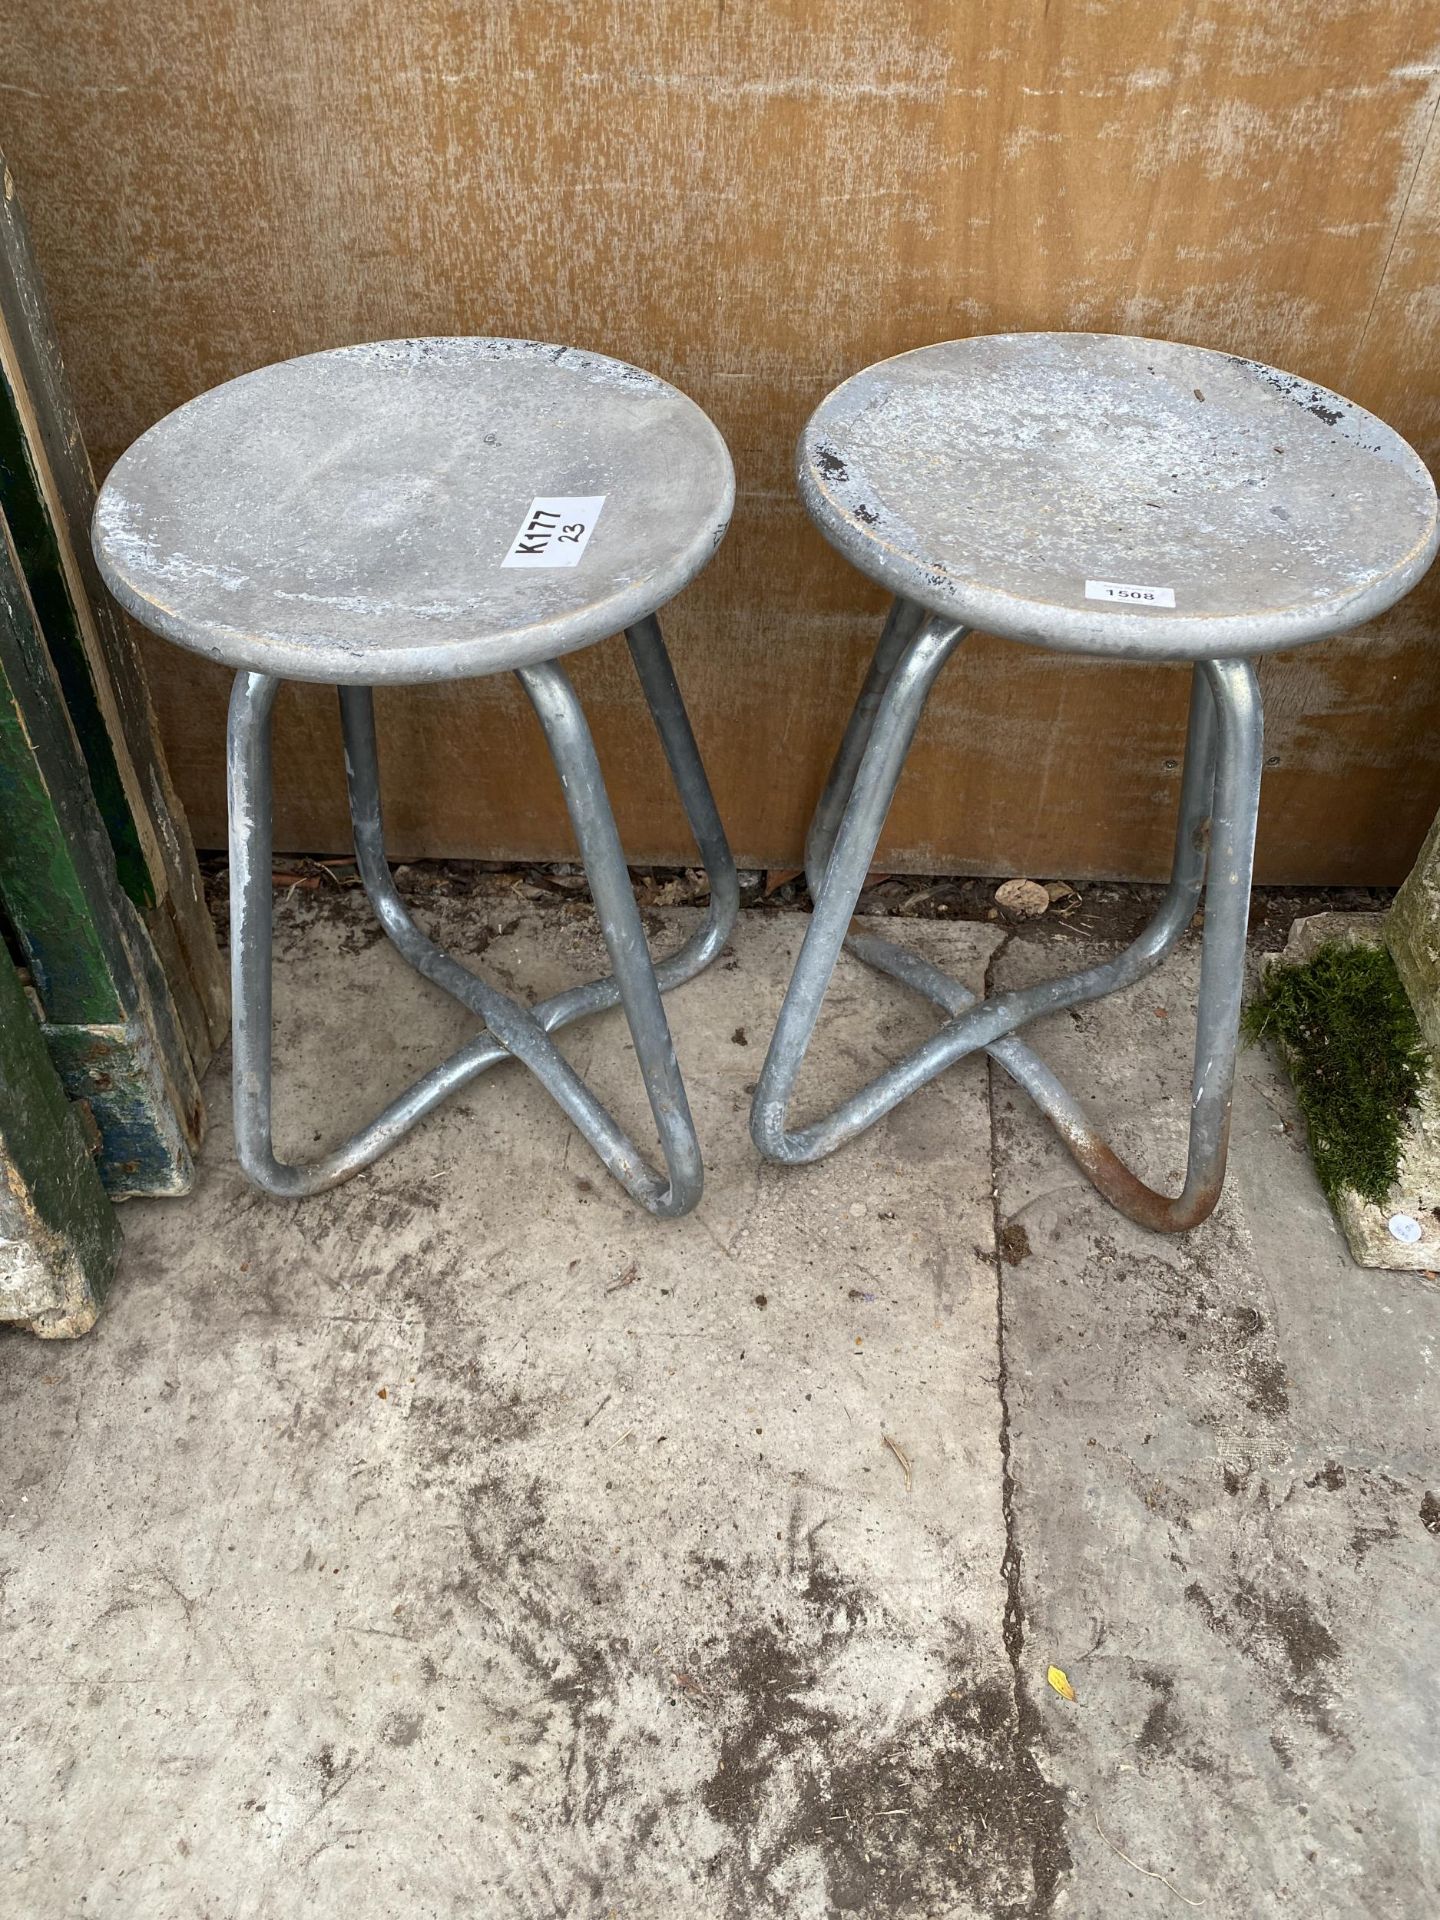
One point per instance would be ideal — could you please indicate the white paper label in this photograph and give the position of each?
(1129, 596)
(1404, 1229)
(555, 530)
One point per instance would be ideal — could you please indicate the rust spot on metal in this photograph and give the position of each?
(1158, 1212)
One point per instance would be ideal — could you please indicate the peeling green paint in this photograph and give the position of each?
(59, 1238)
(47, 493)
(108, 1014)
(39, 556)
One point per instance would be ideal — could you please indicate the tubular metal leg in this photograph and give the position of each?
(876, 775)
(512, 1030)
(251, 913)
(854, 804)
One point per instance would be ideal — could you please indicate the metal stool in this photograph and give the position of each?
(421, 510)
(1094, 494)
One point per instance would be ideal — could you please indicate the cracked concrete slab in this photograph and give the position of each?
(1223, 1447)
(463, 1541)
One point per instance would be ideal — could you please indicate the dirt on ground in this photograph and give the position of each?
(1087, 911)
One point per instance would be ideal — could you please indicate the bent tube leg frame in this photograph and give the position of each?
(511, 1030)
(1219, 802)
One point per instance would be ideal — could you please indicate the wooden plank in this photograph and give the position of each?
(59, 1238)
(44, 821)
(108, 1017)
(47, 494)
(754, 200)
(36, 549)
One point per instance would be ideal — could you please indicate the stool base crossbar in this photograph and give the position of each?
(512, 1031)
(1219, 801)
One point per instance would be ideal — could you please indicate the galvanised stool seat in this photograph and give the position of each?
(423, 510)
(1132, 499)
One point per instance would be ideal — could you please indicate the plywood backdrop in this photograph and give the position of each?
(754, 200)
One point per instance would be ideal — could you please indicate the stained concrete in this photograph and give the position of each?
(1224, 1448)
(464, 1542)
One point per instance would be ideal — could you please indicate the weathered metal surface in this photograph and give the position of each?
(1086, 492)
(349, 516)
(47, 494)
(1215, 829)
(376, 514)
(1116, 496)
(58, 1235)
(100, 987)
(511, 1031)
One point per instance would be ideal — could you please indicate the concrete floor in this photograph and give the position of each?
(464, 1542)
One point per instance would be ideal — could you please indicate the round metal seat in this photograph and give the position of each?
(1118, 496)
(352, 516)
(1109, 496)
(432, 510)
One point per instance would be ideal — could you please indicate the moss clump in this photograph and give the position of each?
(1353, 1046)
